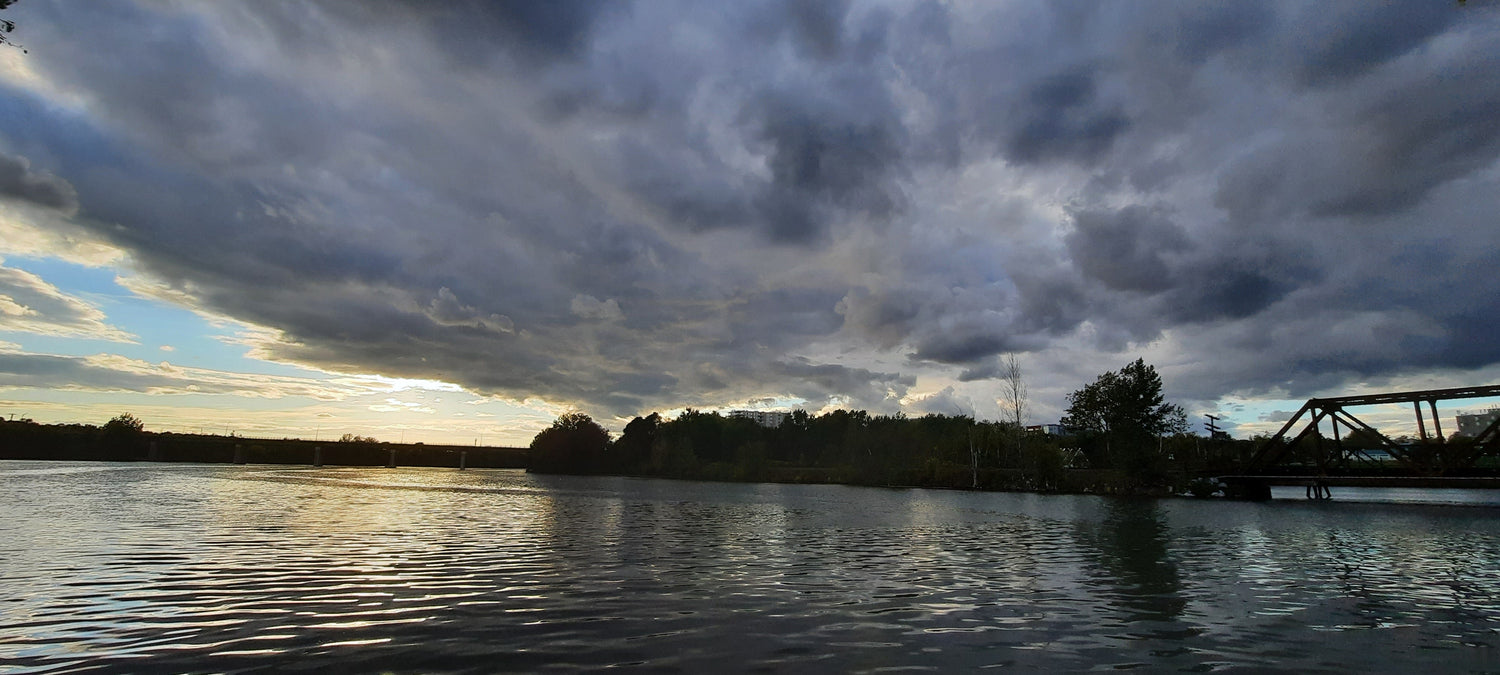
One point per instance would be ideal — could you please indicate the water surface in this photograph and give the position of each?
(130, 567)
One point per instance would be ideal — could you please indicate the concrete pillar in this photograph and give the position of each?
(239, 454)
(391, 463)
(463, 459)
(317, 455)
(1250, 491)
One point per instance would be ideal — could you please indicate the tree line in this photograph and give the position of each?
(1121, 436)
(125, 438)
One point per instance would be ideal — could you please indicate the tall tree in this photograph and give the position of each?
(575, 443)
(1014, 387)
(633, 449)
(1122, 415)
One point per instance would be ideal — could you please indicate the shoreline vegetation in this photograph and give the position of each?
(856, 448)
(1121, 437)
(124, 439)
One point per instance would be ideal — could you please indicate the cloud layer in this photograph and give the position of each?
(627, 206)
(28, 304)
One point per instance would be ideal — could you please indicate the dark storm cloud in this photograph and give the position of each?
(1143, 250)
(1203, 30)
(1125, 250)
(817, 27)
(962, 346)
(984, 371)
(473, 31)
(1339, 41)
(1062, 118)
(634, 205)
(822, 157)
(18, 181)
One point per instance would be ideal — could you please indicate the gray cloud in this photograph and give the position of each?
(946, 401)
(447, 310)
(18, 181)
(627, 206)
(1062, 118)
(984, 371)
(1126, 250)
(106, 373)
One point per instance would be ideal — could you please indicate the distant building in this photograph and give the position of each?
(1473, 424)
(765, 418)
(1049, 429)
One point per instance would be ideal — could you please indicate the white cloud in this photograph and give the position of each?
(28, 304)
(34, 232)
(590, 307)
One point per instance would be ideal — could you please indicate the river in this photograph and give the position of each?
(161, 567)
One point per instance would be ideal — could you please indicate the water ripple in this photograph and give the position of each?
(121, 568)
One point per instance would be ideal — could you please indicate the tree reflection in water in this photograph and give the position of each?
(1133, 562)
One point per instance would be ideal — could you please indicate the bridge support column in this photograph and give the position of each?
(1253, 491)
(239, 454)
(391, 463)
(317, 455)
(463, 459)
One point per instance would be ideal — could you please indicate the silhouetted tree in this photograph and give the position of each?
(631, 453)
(1121, 418)
(575, 443)
(123, 437)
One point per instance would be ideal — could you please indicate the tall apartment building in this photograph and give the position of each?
(764, 418)
(1473, 424)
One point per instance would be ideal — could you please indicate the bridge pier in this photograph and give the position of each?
(1247, 490)
(463, 459)
(317, 455)
(391, 463)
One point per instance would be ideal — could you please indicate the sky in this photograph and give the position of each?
(451, 222)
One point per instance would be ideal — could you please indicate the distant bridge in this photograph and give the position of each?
(1308, 457)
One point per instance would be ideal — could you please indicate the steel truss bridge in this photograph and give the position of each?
(1300, 453)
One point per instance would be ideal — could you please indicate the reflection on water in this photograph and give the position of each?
(147, 567)
(1131, 540)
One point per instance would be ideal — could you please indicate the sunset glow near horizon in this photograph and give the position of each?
(449, 223)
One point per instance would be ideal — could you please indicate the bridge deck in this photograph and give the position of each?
(1448, 482)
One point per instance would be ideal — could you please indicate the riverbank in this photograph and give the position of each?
(28, 440)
